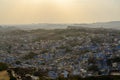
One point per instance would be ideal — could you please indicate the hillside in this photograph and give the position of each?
(112, 24)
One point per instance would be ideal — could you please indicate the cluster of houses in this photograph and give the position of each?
(85, 55)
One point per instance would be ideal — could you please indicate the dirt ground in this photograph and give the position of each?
(4, 75)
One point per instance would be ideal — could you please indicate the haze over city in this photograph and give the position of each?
(59, 39)
(58, 11)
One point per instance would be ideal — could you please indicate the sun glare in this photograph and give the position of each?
(33, 1)
(57, 2)
(63, 2)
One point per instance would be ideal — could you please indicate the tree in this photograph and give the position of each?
(93, 68)
(3, 66)
(29, 56)
(18, 62)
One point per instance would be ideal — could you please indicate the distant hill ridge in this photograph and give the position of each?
(112, 25)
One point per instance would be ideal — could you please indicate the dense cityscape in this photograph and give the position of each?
(60, 53)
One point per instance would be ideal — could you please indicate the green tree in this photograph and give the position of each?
(3, 66)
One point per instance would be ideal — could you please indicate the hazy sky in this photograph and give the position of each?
(58, 11)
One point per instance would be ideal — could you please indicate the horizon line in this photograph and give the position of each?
(59, 23)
